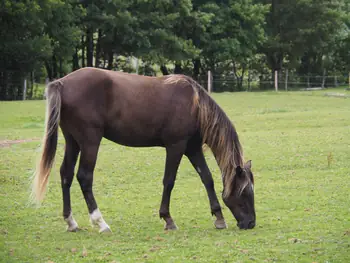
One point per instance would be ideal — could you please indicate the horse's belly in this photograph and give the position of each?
(133, 138)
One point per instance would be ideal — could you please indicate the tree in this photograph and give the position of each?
(229, 37)
(296, 30)
(232, 37)
(23, 44)
(159, 36)
(61, 25)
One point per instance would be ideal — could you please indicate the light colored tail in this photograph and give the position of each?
(53, 110)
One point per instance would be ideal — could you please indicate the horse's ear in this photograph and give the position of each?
(239, 170)
(248, 164)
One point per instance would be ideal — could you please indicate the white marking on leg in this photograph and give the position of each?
(97, 219)
(72, 224)
(199, 170)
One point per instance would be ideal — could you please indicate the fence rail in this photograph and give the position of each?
(280, 81)
(15, 85)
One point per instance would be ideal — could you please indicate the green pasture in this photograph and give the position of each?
(299, 144)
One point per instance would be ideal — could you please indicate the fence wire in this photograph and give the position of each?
(285, 81)
(12, 83)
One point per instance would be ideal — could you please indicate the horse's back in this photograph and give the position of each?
(130, 109)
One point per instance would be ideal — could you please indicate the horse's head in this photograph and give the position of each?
(240, 198)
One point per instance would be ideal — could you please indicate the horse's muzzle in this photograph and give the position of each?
(246, 224)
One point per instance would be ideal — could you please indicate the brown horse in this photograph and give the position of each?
(138, 111)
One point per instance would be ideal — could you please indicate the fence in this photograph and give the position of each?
(15, 85)
(294, 81)
(282, 80)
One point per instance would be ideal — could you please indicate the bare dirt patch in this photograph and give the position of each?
(8, 143)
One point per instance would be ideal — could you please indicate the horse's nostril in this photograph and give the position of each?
(251, 224)
(246, 224)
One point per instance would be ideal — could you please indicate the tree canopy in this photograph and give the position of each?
(228, 37)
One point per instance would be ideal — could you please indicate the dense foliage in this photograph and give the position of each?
(50, 38)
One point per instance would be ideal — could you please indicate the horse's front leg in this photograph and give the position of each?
(173, 158)
(196, 157)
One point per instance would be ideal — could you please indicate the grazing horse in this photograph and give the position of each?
(172, 111)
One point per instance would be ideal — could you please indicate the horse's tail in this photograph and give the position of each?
(53, 110)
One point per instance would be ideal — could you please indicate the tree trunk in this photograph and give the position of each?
(242, 78)
(110, 60)
(273, 77)
(21, 89)
(89, 47)
(98, 49)
(48, 70)
(75, 60)
(239, 78)
(31, 85)
(61, 68)
(274, 55)
(3, 85)
(164, 70)
(104, 61)
(196, 68)
(249, 80)
(177, 69)
(82, 51)
(54, 67)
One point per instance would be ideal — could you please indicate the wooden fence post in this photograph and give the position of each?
(286, 81)
(210, 81)
(323, 78)
(335, 81)
(137, 66)
(24, 89)
(276, 80)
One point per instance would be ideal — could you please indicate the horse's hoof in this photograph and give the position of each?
(73, 229)
(220, 224)
(171, 226)
(105, 230)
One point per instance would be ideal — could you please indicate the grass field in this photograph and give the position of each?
(299, 143)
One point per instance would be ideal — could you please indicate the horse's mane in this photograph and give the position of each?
(217, 132)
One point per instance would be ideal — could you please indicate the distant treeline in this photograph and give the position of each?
(42, 39)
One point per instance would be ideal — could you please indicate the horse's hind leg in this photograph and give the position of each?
(89, 150)
(196, 157)
(173, 159)
(67, 173)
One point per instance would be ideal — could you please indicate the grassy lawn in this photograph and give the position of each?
(299, 143)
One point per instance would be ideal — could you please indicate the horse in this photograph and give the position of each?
(171, 111)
